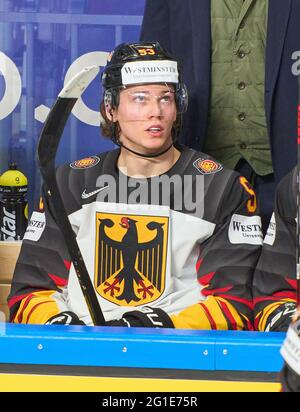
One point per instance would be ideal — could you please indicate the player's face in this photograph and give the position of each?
(146, 114)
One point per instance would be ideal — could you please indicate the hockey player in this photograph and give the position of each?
(169, 236)
(274, 288)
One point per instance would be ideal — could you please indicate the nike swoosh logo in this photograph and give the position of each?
(85, 195)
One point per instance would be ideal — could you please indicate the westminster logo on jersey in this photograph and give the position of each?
(131, 255)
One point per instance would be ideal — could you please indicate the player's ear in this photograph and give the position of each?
(110, 113)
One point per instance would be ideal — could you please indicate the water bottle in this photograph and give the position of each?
(13, 204)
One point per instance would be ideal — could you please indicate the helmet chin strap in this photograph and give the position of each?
(117, 141)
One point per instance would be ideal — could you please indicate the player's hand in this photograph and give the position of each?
(145, 317)
(65, 318)
(280, 319)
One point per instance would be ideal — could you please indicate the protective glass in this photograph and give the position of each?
(144, 98)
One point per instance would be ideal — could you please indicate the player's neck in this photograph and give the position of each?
(141, 167)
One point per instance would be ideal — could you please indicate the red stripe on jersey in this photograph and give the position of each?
(256, 322)
(67, 264)
(228, 314)
(207, 292)
(290, 294)
(246, 302)
(276, 296)
(35, 306)
(16, 299)
(205, 279)
(28, 299)
(257, 300)
(249, 325)
(198, 264)
(58, 280)
(209, 317)
(292, 282)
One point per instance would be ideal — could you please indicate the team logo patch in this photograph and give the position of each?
(85, 163)
(207, 166)
(130, 258)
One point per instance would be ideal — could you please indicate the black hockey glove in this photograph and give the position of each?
(280, 319)
(290, 380)
(146, 317)
(65, 318)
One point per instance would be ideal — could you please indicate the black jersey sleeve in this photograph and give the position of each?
(226, 264)
(38, 287)
(274, 286)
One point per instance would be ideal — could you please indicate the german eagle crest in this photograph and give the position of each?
(130, 262)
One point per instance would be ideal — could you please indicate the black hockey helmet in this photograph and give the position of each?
(141, 63)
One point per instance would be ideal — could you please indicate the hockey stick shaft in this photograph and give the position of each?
(47, 149)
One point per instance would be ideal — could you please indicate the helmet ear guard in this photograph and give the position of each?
(181, 97)
(111, 99)
(107, 98)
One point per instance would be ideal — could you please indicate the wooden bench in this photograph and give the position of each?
(9, 252)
